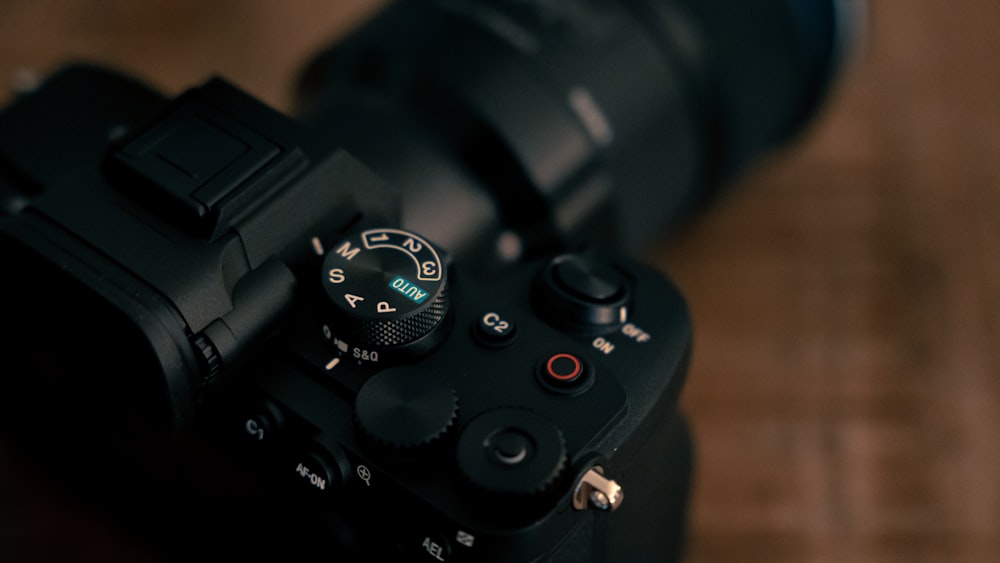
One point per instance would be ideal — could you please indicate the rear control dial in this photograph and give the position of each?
(512, 458)
(388, 290)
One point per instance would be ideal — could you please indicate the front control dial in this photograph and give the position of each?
(402, 411)
(388, 291)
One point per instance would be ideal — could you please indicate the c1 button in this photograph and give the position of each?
(257, 424)
(564, 373)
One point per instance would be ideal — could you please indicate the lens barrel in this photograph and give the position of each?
(515, 128)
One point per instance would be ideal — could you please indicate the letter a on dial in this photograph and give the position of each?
(353, 300)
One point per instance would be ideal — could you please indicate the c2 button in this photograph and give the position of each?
(495, 329)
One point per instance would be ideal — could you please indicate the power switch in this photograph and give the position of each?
(576, 290)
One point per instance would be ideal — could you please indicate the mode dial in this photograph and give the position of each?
(389, 292)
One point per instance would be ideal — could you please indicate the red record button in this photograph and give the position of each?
(565, 373)
(564, 368)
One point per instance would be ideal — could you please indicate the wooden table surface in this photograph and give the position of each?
(846, 294)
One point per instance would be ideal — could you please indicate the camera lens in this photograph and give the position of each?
(558, 123)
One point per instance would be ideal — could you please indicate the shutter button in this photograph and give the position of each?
(580, 290)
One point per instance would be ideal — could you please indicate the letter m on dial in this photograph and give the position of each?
(347, 252)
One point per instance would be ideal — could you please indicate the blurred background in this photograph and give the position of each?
(844, 391)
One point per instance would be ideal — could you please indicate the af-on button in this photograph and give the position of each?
(314, 471)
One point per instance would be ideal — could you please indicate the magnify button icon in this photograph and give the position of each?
(365, 474)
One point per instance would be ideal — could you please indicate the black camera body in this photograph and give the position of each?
(237, 284)
(403, 325)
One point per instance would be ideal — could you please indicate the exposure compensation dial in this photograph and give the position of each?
(388, 291)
